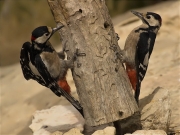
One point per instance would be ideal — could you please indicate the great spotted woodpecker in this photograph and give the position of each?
(138, 48)
(40, 62)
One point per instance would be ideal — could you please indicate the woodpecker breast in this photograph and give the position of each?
(131, 46)
(52, 63)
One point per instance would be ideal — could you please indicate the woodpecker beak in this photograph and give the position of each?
(140, 15)
(56, 29)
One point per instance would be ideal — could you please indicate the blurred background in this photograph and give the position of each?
(19, 17)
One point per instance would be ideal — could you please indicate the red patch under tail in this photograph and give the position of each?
(132, 74)
(64, 85)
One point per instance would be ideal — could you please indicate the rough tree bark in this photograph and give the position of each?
(102, 85)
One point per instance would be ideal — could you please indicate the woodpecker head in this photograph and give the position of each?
(42, 34)
(151, 19)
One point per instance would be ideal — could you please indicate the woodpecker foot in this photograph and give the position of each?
(61, 54)
(121, 56)
(113, 47)
(77, 54)
(117, 36)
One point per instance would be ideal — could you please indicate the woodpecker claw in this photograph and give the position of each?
(117, 36)
(113, 47)
(77, 54)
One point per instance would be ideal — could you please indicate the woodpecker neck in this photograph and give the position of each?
(151, 28)
(38, 47)
(145, 22)
(154, 29)
(147, 28)
(142, 28)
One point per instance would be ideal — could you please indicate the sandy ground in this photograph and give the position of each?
(19, 98)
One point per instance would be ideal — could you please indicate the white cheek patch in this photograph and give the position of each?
(146, 59)
(153, 22)
(42, 39)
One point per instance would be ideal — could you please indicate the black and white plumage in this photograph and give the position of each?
(138, 48)
(40, 62)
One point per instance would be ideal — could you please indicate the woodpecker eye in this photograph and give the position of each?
(148, 17)
(47, 34)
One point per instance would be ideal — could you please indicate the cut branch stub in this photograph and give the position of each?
(103, 86)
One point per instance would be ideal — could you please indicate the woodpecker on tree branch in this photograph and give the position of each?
(138, 48)
(40, 62)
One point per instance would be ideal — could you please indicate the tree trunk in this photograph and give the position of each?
(103, 87)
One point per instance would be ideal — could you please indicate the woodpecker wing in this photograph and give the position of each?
(52, 84)
(24, 62)
(144, 49)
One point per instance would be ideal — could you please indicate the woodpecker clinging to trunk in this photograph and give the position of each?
(138, 48)
(40, 62)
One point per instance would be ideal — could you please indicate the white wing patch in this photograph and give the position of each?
(142, 66)
(141, 75)
(34, 69)
(146, 59)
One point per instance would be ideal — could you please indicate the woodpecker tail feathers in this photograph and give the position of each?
(137, 92)
(133, 77)
(72, 100)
